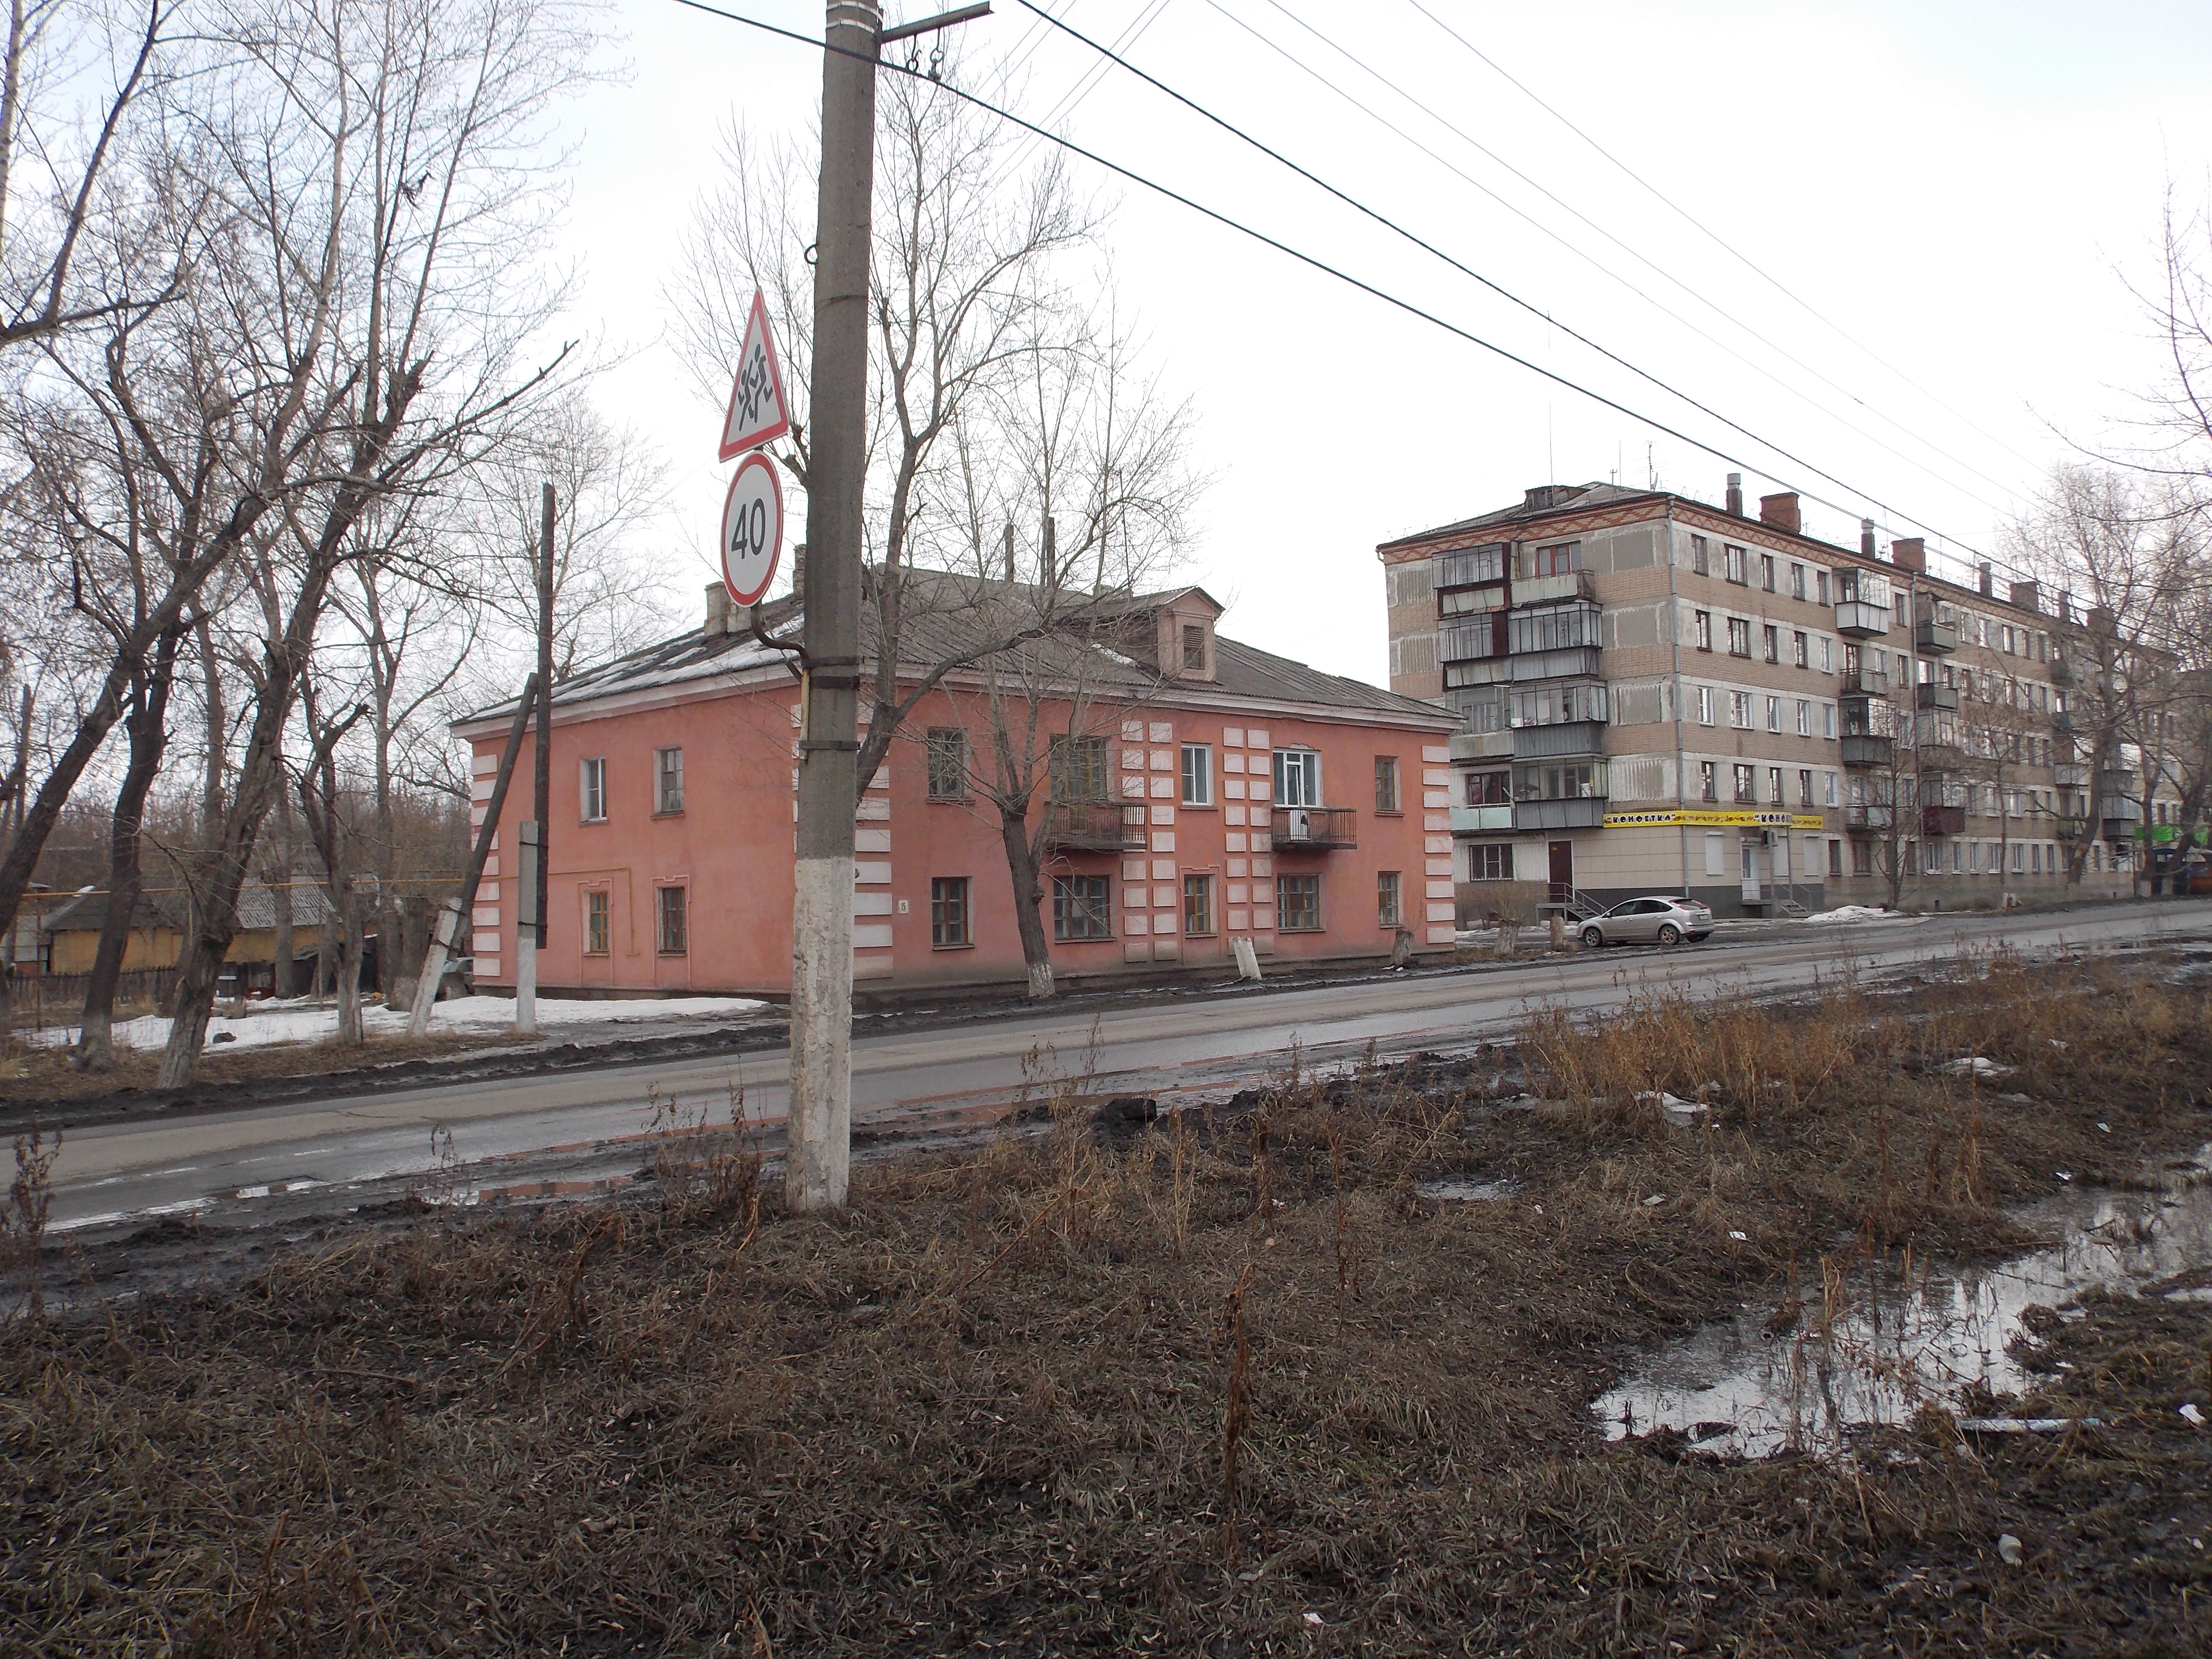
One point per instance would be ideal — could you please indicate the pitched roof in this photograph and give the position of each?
(87, 913)
(952, 615)
(1560, 498)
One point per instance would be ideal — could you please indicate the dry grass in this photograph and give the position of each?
(1226, 1385)
(29, 1072)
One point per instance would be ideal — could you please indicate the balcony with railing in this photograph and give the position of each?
(2070, 774)
(1933, 639)
(1935, 699)
(1083, 826)
(1865, 750)
(1564, 737)
(2062, 672)
(1576, 812)
(1857, 619)
(1936, 819)
(1863, 817)
(1489, 820)
(1314, 829)
(1863, 681)
(1482, 746)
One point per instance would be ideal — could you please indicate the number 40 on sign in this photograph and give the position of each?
(752, 512)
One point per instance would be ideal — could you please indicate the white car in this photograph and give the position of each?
(1655, 918)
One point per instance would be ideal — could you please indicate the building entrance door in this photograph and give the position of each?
(1563, 871)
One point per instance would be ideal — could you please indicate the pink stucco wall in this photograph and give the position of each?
(731, 849)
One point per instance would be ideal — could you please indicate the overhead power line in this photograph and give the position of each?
(1314, 262)
(1466, 269)
(1715, 237)
(1642, 259)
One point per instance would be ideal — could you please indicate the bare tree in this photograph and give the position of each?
(973, 273)
(325, 807)
(385, 163)
(2121, 552)
(611, 587)
(38, 297)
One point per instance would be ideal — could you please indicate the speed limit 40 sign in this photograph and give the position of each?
(753, 529)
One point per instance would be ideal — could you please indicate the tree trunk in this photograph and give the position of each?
(106, 708)
(1029, 895)
(347, 916)
(148, 726)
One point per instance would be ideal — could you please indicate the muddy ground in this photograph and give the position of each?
(1231, 1385)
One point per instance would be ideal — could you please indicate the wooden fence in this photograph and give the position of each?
(59, 998)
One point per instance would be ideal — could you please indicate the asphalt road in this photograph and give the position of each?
(581, 1122)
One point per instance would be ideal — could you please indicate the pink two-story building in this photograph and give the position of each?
(1202, 791)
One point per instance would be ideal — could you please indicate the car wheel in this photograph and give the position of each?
(1670, 935)
(1592, 938)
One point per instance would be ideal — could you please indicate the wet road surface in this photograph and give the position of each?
(586, 1125)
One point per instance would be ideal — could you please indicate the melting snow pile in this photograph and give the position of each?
(1855, 912)
(299, 1021)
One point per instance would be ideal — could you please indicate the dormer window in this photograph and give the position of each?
(1193, 648)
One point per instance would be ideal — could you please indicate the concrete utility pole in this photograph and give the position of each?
(819, 1158)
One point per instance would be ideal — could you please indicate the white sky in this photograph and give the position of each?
(1968, 188)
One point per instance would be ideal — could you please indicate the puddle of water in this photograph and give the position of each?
(1467, 1192)
(1893, 1346)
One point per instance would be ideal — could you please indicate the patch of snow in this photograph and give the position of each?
(299, 1020)
(1979, 1065)
(1855, 912)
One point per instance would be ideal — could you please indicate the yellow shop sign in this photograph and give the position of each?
(1709, 817)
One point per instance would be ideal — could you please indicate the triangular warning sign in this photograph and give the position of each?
(758, 413)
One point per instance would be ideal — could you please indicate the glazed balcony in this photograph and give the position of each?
(1091, 827)
(1865, 819)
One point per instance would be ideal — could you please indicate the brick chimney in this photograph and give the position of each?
(1909, 553)
(798, 571)
(717, 611)
(1866, 537)
(1735, 495)
(1989, 582)
(1781, 512)
(2028, 596)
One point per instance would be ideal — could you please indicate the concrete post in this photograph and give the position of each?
(818, 1159)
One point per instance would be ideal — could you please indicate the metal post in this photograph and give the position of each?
(529, 920)
(819, 1154)
(542, 805)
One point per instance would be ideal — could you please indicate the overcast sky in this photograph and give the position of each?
(1924, 219)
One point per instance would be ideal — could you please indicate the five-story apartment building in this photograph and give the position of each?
(1658, 695)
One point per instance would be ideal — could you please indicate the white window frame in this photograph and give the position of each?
(592, 789)
(1299, 767)
(666, 803)
(1198, 783)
